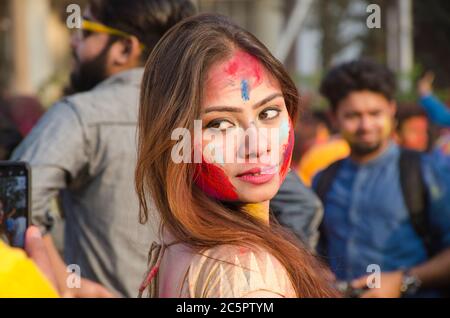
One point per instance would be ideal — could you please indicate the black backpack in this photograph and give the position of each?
(413, 188)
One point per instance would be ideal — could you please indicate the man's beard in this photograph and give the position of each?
(361, 149)
(89, 73)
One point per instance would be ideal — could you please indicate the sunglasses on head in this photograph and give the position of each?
(88, 27)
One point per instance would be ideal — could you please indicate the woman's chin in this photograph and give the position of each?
(252, 193)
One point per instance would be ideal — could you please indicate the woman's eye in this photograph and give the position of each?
(269, 114)
(220, 124)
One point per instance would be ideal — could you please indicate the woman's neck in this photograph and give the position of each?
(258, 210)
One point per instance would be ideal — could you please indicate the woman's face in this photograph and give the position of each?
(247, 133)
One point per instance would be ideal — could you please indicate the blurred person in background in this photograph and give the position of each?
(317, 144)
(412, 131)
(18, 114)
(23, 111)
(437, 111)
(439, 114)
(315, 129)
(320, 156)
(10, 138)
(383, 206)
(84, 147)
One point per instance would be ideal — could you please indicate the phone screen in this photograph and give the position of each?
(14, 202)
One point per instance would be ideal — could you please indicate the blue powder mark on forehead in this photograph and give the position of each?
(244, 90)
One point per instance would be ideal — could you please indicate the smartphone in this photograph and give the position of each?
(14, 202)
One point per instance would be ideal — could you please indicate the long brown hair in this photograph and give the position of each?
(171, 96)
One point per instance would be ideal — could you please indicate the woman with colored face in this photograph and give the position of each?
(217, 236)
(247, 133)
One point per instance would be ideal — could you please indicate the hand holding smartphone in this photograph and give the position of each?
(14, 202)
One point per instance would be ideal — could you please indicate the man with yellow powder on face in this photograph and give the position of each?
(386, 209)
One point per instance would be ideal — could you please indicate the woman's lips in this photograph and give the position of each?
(258, 175)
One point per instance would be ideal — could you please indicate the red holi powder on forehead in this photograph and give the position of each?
(244, 66)
(287, 155)
(213, 181)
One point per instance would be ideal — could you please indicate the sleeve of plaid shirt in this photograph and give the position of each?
(56, 152)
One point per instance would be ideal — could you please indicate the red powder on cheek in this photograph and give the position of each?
(213, 181)
(287, 154)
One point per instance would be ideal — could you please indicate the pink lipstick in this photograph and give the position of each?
(258, 175)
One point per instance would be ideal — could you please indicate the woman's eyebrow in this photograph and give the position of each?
(266, 100)
(223, 109)
(238, 109)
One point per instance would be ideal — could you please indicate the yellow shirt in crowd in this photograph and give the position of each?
(321, 156)
(20, 277)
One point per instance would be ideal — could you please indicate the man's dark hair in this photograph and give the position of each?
(354, 76)
(148, 20)
(408, 111)
(323, 117)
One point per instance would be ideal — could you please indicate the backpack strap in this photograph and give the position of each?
(415, 195)
(326, 178)
(323, 185)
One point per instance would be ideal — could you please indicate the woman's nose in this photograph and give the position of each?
(255, 143)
